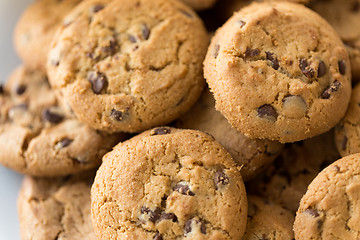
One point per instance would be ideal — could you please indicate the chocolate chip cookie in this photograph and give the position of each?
(287, 179)
(56, 208)
(330, 207)
(279, 71)
(268, 221)
(36, 28)
(347, 136)
(252, 155)
(344, 16)
(128, 65)
(169, 183)
(38, 138)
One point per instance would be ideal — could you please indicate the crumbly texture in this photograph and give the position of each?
(38, 138)
(199, 4)
(129, 65)
(330, 207)
(347, 132)
(268, 221)
(344, 16)
(252, 155)
(287, 179)
(36, 29)
(56, 208)
(279, 71)
(169, 183)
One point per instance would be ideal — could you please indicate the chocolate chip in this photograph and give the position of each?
(64, 143)
(332, 88)
(216, 50)
(344, 143)
(153, 215)
(158, 237)
(342, 67)
(20, 89)
(145, 31)
(305, 68)
(356, 6)
(267, 111)
(202, 228)
(117, 115)
(97, 8)
(188, 227)
(241, 23)
(111, 48)
(273, 59)
(183, 189)
(312, 212)
(160, 131)
(337, 168)
(189, 15)
(169, 216)
(132, 38)
(321, 69)
(252, 52)
(52, 117)
(220, 178)
(98, 81)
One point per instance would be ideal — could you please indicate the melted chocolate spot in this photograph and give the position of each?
(132, 39)
(220, 178)
(64, 142)
(169, 216)
(267, 111)
(111, 48)
(183, 189)
(97, 8)
(252, 52)
(153, 215)
(332, 88)
(52, 117)
(188, 228)
(145, 32)
(117, 115)
(20, 89)
(312, 212)
(98, 81)
(321, 69)
(342, 67)
(273, 59)
(160, 131)
(305, 68)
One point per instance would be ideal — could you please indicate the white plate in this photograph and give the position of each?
(10, 11)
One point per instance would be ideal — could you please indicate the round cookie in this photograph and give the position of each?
(253, 155)
(344, 16)
(169, 183)
(279, 71)
(36, 28)
(38, 138)
(286, 180)
(330, 207)
(129, 65)
(268, 221)
(347, 132)
(56, 208)
(199, 4)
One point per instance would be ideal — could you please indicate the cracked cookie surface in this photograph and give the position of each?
(169, 183)
(36, 28)
(286, 180)
(38, 138)
(347, 132)
(344, 16)
(268, 221)
(279, 71)
(56, 208)
(128, 65)
(330, 207)
(253, 155)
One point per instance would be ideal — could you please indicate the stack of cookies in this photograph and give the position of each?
(130, 124)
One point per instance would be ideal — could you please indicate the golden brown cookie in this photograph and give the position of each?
(169, 183)
(199, 4)
(279, 71)
(36, 28)
(330, 207)
(253, 155)
(128, 65)
(56, 208)
(38, 138)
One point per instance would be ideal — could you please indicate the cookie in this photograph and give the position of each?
(279, 71)
(347, 131)
(287, 179)
(268, 221)
(199, 4)
(329, 209)
(36, 29)
(344, 16)
(252, 155)
(38, 138)
(129, 65)
(56, 208)
(169, 183)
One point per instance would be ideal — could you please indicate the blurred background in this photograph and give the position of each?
(10, 11)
